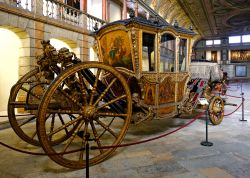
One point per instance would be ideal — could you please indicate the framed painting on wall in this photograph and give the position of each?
(240, 71)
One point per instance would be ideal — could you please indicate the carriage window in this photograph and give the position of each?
(182, 54)
(167, 53)
(148, 54)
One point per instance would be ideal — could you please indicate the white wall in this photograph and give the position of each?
(218, 56)
(94, 7)
(229, 55)
(208, 55)
(9, 50)
(58, 44)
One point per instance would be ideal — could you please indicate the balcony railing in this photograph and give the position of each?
(58, 11)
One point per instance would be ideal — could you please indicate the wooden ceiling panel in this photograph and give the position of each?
(210, 18)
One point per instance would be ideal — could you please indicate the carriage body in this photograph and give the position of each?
(154, 58)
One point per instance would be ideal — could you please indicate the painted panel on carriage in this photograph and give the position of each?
(116, 50)
(167, 90)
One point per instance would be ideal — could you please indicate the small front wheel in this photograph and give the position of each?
(216, 110)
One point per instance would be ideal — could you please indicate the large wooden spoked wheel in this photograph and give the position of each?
(216, 110)
(25, 97)
(21, 97)
(82, 91)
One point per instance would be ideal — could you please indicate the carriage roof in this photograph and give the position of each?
(156, 24)
(121, 43)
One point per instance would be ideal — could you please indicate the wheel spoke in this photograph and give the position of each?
(27, 121)
(34, 134)
(70, 97)
(72, 136)
(52, 124)
(94, 86)
(71, 116)
(112, 101)
(83, 141)
(83, 89)
(63, 126)
(31, 93)
(105, 91)
(63, 123)
(96, 136)
(106, 127)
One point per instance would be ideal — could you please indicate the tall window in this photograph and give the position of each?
(182, 54)
(148, 52)
(217, 42)
(213, 42)
(209, 42)
(245, 38)
(167, 53)
(234, 39)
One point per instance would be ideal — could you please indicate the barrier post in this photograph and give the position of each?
(87, 154)
(242, 106)
(206, 143)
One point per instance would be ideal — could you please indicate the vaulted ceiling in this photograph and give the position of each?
(210, 18)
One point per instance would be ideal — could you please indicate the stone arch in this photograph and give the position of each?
(19, 62)
(71, 45)
(77, 41)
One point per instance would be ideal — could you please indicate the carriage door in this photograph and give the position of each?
(148, 67)
(182, 77)
(167, 73)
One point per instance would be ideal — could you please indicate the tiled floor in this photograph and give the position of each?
(178, 155)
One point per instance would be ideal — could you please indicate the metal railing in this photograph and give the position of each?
(58, 11)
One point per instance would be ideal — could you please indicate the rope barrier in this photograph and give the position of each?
(234, 110)
(151, 139)
(39, 154)
(104, 147)
(233, 96)
(233, 90)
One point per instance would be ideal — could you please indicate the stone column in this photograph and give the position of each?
(84, 5)
(224, 51)
(124, 10)
(38, 7)
(104, 10)
(136, 8)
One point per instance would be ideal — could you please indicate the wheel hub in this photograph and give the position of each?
(89, 112)
(217, 107)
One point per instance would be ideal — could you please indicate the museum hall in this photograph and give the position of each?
(125, 88)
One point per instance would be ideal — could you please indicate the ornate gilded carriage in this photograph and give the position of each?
(142, 74)
(154, 58)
